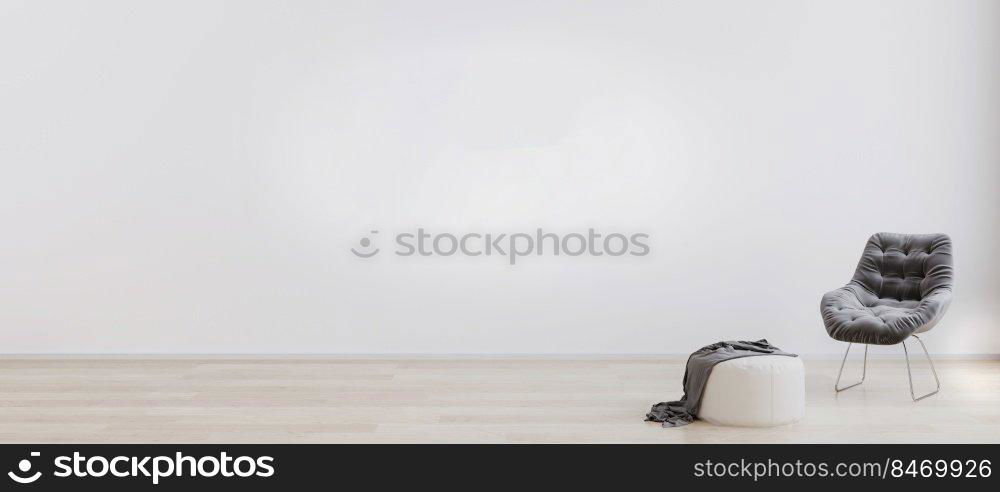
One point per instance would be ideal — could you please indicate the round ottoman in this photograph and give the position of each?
(757, 391)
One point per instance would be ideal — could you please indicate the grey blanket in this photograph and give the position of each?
(699, 367)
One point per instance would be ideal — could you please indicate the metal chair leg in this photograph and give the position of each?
(909, 373)
(864, 370)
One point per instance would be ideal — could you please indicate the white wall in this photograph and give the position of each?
(189, 176)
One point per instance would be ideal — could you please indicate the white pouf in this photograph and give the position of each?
(757, 391)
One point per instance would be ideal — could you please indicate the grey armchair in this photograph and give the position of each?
(902, 287)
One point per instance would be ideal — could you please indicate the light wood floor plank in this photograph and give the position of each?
(507, 400)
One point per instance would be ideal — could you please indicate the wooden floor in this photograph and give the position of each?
(510, 400)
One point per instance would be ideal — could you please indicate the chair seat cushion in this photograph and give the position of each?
(853, 315)
(758, 391)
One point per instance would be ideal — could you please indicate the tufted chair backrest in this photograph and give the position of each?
(905, 267)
